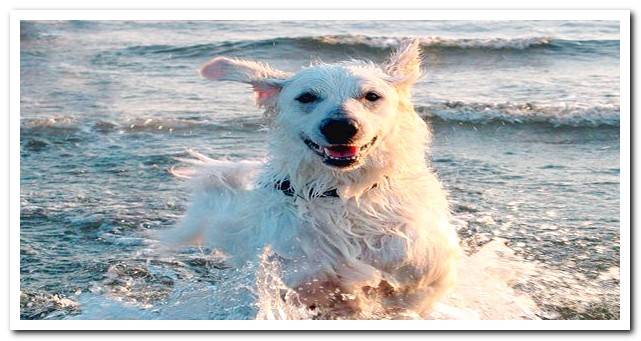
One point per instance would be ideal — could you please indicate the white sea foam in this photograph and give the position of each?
(562, 115)
(485, 290)
(519, 43)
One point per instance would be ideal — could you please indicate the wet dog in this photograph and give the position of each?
(345, 198)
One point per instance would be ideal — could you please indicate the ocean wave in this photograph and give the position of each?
(490, 43)
(54, 126)
(374, 44)
(161, 125)
(66, 125)
(438, 42)
(527, 113)
(54, 122)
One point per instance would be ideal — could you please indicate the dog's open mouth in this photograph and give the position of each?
(339, 155)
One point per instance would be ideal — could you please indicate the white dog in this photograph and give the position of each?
(345, 199)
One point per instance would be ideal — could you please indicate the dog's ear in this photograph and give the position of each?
(404, 65)
(266, 81)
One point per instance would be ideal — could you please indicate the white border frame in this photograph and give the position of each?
(623, 16)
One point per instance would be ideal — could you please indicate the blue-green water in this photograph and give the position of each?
(525, 118)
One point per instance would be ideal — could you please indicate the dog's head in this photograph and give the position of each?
(338, 115)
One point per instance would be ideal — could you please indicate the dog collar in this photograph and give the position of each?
(286, 187)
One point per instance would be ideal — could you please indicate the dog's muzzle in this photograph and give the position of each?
(339, 155)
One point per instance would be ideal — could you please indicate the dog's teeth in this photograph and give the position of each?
(343, 158)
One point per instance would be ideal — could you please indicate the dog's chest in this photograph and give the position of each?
(359, 231)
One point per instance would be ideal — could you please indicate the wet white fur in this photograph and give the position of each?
(397, 232)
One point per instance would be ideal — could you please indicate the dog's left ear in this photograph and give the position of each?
(404, 65)
(266, 81)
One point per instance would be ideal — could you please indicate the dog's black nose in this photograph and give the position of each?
(339, 130)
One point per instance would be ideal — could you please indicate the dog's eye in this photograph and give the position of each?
(307, 97)
(372, 96)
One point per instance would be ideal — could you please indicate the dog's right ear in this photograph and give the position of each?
(404, 65)
(266, 81)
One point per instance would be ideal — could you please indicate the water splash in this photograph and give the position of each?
(488, 288)
(276, 301)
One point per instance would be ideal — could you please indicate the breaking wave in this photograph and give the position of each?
(437, 42)
(362, 43)
(64, 125)
(527, 113)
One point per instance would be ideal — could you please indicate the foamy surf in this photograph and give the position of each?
(486, 287)
(518, 43)
(486, 290)
(365, 43)
(527, 113)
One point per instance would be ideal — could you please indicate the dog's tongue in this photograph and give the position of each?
(341, 151)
